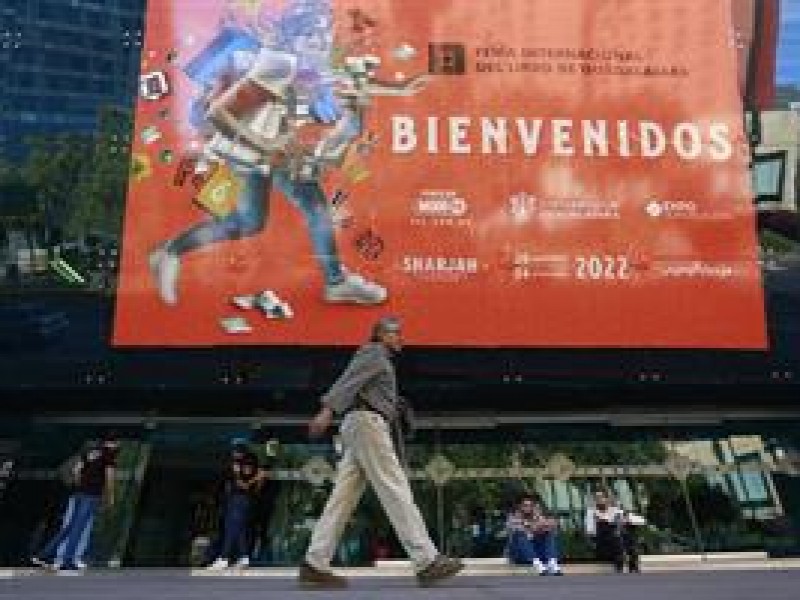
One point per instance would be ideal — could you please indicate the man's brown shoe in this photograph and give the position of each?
(441, 568)
(311, 577)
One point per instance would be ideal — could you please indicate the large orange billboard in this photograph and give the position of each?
(496, 172)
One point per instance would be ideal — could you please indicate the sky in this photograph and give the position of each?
(789, 48)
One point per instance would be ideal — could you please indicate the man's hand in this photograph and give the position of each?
(320, 423)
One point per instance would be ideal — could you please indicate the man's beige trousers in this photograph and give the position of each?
(369, 456)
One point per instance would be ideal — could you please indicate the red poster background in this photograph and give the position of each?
(495, 306)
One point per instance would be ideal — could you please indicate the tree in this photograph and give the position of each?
(18, 209)
(53, 169)
(98, 201)
(78, 180)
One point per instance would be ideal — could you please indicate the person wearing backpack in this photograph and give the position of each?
(90, 476)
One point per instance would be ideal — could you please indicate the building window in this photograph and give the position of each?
(768, 176)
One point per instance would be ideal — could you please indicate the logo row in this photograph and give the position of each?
(451, 207)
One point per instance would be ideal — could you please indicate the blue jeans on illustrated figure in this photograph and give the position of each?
(249, 217)
(540, 550)
(252, 211)
(69, 544)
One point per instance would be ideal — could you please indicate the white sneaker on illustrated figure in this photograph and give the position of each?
(354, 289)
(218, 565)
(165, 267)
(242, 563)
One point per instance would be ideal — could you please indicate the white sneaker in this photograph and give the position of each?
(539, 567)
(243, 562)
(165, 267)
(36, 561)
(355, 290)
(218, 565)
(553, 568)
(82, 566)
(68, 570)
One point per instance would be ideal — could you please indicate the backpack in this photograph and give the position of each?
(217, 57)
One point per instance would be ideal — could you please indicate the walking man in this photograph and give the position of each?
(371, 432)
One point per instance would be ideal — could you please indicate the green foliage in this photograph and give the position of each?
(775, 242)
(99, 197)
(73, 183)
(15, 195)
(607, 452)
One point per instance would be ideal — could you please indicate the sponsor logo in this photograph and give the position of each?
(654, 209)
(443, 268)
(682, 209)
(447, 59)
(444, 208)
(527, 265)
(523, 208)
(697, 269)
(657, 209)
(441, 204)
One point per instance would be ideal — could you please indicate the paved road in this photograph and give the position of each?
(739, 585)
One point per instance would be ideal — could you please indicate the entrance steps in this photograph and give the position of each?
(715, 561)
(500, 567)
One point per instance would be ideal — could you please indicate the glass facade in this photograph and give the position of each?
(789, 48)
(61, 61)
(725, 488)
